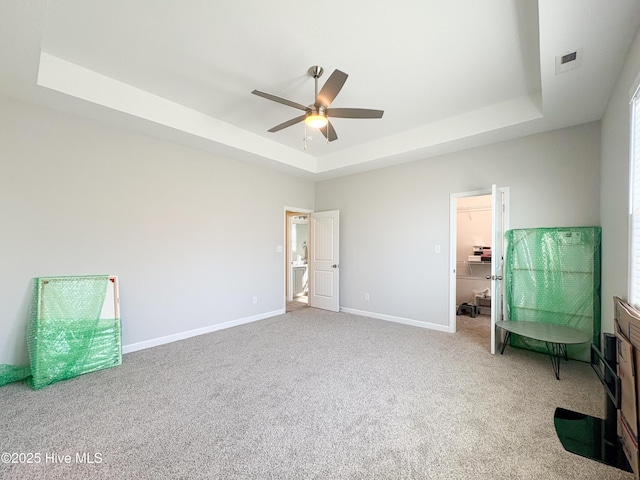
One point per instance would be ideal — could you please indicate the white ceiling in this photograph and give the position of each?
(448, 74)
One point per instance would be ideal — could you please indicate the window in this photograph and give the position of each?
(634, 247)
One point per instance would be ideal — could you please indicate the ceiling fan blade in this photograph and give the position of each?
(281, 100)
(288, 123)
(354, 113)
(331, 135)
(331, 88)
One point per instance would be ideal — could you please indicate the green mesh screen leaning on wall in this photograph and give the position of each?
(66, 335)
(74, 328)
(553, 275)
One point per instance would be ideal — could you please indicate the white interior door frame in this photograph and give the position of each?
(453, 240)
(287, 247)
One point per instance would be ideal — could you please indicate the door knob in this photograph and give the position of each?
(334, 266)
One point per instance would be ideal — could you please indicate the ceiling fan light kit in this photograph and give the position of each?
(317, 115)
(316, 120)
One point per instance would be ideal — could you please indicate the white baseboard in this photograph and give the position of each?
(134, 347)
(391, 318)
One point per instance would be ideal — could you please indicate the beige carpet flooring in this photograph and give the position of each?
(297, 303)
(308, 395)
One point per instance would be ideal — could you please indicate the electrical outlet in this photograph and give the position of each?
(255, 300)
(366, 297)
(437, 249)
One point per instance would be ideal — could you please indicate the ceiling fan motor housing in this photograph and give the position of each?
(320, 110)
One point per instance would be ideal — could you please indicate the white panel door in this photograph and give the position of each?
(498, 226)
(324, 260)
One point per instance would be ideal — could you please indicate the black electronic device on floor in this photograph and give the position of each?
(593, 437)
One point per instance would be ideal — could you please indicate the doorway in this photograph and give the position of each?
(473, 265)
(478, 220)
(312, 259)
(296, 259)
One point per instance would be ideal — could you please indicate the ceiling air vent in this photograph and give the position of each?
(568, 61)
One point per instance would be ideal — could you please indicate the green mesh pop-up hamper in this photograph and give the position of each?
(74, 328)
(553, 275)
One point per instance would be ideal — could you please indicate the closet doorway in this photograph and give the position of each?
(478, 222)
(473, 257)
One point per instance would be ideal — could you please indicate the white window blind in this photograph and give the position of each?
(634, 274)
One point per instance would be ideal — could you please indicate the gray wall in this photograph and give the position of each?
(614, 192)
(392, 218)
(192, 237)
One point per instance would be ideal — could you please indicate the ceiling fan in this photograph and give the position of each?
(317, 114)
